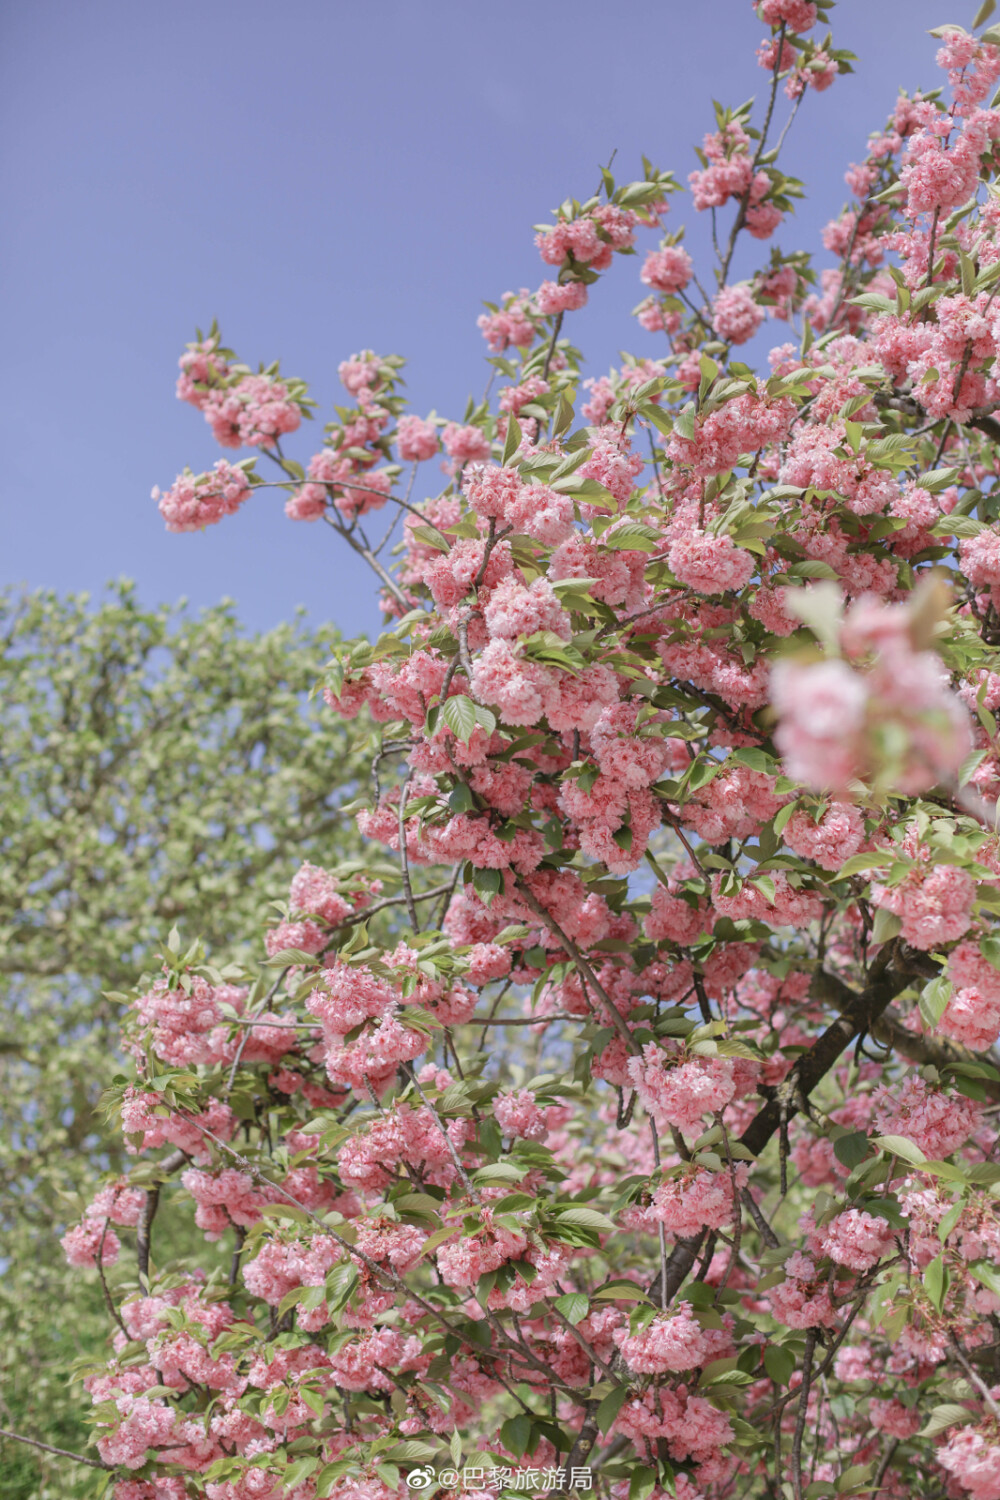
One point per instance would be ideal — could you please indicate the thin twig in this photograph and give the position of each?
(463, 649)
(741, 212)
(556, 329)
(99, 1262)
(371, 560)
(404, 862)
(800, 1421)
(449, 891)
(587, 1348)
(457, 1160)
(883, 1468)
(659, 1224)
(788, 124)
(18, 1437)
(234, 1265)
(973, 1375)
(562, 1015)
(614, 1015)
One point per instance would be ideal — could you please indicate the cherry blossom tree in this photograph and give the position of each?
(653, 1151)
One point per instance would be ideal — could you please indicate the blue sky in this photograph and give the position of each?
(325, 177)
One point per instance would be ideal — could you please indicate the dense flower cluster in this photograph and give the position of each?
(633, 1108)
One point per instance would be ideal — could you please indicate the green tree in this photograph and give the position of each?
(156, 769)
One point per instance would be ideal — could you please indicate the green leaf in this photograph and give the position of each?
(783, 815)
(779, 1363)
(515, 1434)
(431, 537)
(574, 1307)
(886, 926)
(987, 1274)
(945, 1170)
(632, 536)
(459, 713)
(899, 1145)
(487, 884)
(642, 1483)
(859, 863)
(312, 1399)
(620, 1291)
(411, 1451)
(564, 416)
(812, 567)
(610, 1407)
(512, 441)
(416, 1203)
(983, 13)
(853, 1477)
(971, 763)
(948, 1414)
(852, 1149)
(933, 1001)
(968, 269)
(485, 718)
(874, 302)
(498, 1171)
(936, 1281)
(461, 798)
(586, 1218)
(340, 1283)
(684, 424)
(950, 1219)
(301, 1469)
(289, 956)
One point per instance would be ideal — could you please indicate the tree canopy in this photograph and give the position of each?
(158, 768)
(688, 780)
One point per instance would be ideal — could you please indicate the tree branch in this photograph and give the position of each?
(858, 1015)
(92, 1463)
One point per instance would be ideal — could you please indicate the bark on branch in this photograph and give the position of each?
(888, 976)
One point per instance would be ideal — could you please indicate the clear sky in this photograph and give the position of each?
(324, 176)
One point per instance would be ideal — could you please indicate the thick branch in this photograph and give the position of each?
(144, 1233)
(891, 1031)
(858, 1015)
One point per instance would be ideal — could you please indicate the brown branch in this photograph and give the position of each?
(372, 561)
(741, 214)
(800, 1420)
(404, 863)
(614, 1015)
(858, 1015)
(974, 1376)
(883, 1468)
(767, 1234)
(92, 1463)
(144, 1233)
(108, 1299)
(556, 328)
(891, 1031)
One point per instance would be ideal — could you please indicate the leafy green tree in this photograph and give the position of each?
(157, 769)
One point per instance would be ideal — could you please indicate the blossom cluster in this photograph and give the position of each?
(633, 1102)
